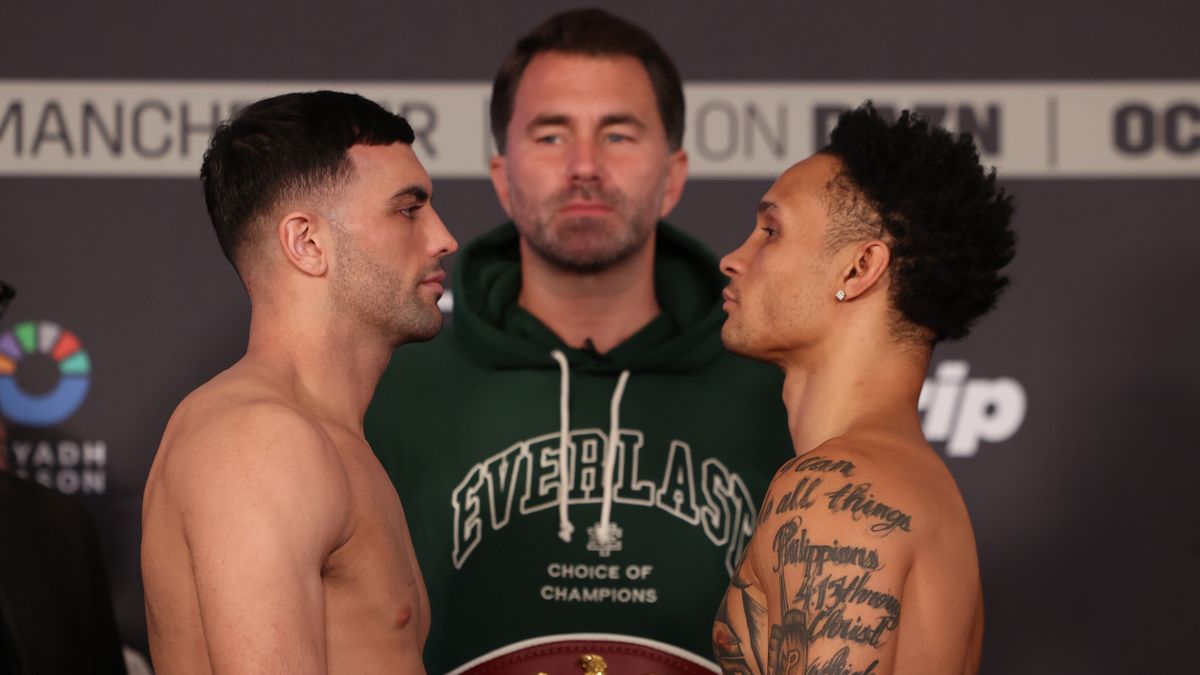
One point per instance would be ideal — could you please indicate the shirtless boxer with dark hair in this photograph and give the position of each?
(273, 541)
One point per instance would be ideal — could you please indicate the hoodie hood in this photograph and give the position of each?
(498, 333)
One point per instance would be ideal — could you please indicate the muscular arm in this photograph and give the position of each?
(263, 501)
(832, 550)
(739, 631)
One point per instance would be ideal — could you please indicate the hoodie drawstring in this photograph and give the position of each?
(610, 452)
(565, 528)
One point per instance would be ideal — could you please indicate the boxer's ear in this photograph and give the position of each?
(867, 267)
(305, 242)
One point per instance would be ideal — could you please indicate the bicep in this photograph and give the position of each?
(740, 625)
(257, 534)
(835, 588)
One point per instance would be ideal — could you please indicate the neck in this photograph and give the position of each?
(853, 387)
(329, 367)
(605, 307)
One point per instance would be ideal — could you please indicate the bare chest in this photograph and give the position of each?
(372, 581)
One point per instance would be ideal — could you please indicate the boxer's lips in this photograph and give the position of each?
(435, 281)
(729, 299)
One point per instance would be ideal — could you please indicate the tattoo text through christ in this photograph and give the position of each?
(817, 464)
(792, 551)
(831, 592)
(826, 465)
(858, 500)
(799, 498)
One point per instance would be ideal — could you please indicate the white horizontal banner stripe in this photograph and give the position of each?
(735, 130)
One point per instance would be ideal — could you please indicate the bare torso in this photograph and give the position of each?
(850, 534)
(359, 575)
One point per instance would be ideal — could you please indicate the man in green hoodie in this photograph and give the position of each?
(584, 344)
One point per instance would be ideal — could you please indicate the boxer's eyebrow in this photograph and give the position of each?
(415, 192)
(766, 205)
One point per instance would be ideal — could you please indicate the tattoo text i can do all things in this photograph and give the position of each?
(826, 589)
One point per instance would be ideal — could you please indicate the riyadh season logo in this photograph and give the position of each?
(45, 375)
(962, 412)
(44, 341)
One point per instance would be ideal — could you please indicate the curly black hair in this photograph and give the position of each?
(924, 192)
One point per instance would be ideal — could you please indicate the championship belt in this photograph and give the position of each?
(589, 654)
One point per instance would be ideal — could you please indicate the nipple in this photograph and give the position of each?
(404, 616)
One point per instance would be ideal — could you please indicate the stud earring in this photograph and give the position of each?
(840, 295)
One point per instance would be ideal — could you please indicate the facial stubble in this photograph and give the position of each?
(381, 298)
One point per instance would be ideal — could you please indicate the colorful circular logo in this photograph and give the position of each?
(47, 339)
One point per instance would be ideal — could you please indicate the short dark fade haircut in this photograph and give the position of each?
(924, 192)
(286, 147)
(590, 32)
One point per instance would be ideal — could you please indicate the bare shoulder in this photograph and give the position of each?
(848, 533)
(239, 440)
(247, 499)
(836, 540)
(861, 502)
(884, 487)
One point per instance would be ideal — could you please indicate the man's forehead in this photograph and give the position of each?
(556, 78)
(389, 163)
(382, 155)
(555, 63)
(803, 182)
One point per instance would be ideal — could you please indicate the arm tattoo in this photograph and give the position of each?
(833, 597)
(726, 644)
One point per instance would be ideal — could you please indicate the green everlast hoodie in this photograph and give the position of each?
(469, 425)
